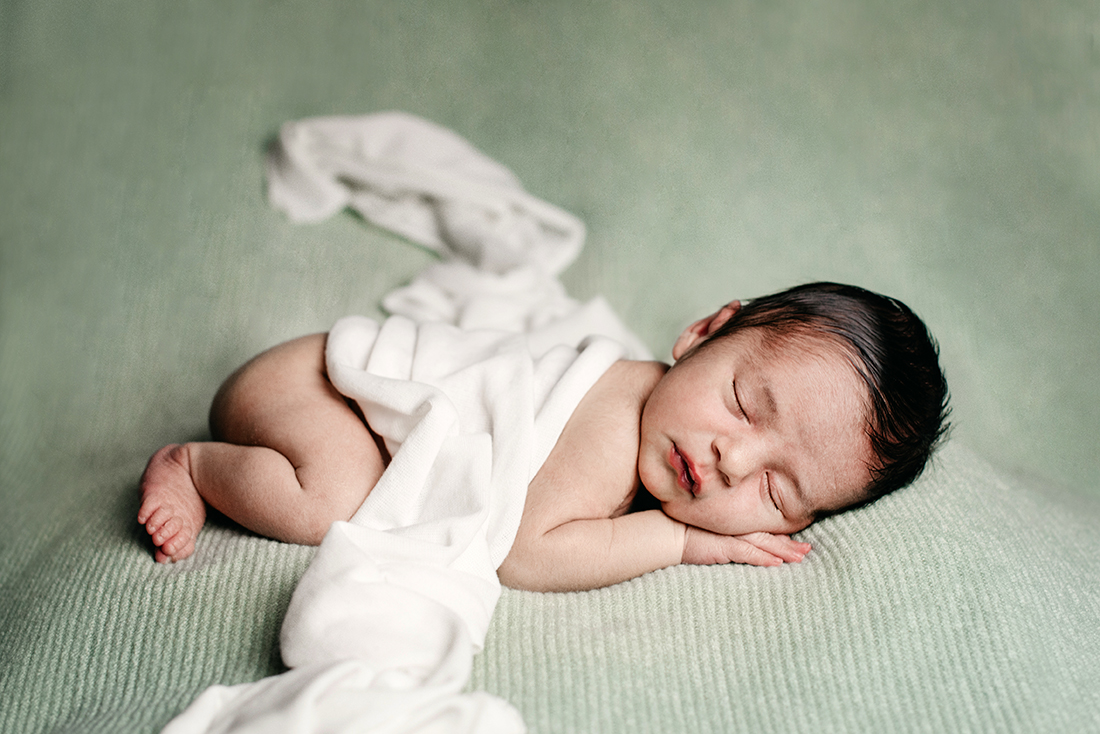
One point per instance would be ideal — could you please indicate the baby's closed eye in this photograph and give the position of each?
(737, 407)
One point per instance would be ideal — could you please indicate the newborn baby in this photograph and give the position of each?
(775, 413)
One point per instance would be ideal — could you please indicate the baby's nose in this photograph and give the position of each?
(737, 459)
(728, 463)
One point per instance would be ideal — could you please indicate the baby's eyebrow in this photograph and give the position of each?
(767, 398)
(764, 407)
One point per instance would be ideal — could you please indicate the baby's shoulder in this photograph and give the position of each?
(628, 382)
(613, 406)
(592, 471)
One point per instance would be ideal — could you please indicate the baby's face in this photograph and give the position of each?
(749, 434)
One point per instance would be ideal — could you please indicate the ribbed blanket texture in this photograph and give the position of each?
(964, 603)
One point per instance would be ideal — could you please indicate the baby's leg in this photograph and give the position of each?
(291, 457)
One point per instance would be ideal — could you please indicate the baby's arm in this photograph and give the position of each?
(589, 554)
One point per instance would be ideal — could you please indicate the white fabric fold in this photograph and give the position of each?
(469, 383)
(422, 181)
(502, 249)
(523, 300)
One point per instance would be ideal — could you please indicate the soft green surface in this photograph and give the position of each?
(944, 152)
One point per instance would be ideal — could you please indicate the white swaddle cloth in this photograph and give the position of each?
(422, 181)
(501, 248)
(382, 628)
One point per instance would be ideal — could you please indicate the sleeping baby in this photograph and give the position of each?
(775, 413)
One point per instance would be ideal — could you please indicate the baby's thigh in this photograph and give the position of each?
(282, 399)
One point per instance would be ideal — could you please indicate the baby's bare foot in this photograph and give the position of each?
(171, 509)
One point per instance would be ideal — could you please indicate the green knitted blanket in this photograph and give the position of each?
(963, 603)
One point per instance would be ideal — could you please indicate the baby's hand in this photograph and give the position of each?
(703, 547)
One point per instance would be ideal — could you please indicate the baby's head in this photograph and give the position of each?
(791, 407)
(890, 349)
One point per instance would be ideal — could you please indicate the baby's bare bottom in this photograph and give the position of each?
(289, 457)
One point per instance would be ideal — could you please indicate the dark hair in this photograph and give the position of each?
(891, 349)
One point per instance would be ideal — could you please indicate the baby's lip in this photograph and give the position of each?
(685, 472)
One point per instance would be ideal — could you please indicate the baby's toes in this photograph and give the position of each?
(177, 548)
(170, 546)
(168, 530)
(157, 519)
(186, 550)
(145, 512)
(174, 544)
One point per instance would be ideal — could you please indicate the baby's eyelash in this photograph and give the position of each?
(771, 494)
(737, 400)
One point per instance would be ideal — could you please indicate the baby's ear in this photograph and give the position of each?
(698, 332)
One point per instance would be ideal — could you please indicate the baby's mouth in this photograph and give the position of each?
(683, 470)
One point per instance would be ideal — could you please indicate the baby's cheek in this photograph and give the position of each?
(694, 516)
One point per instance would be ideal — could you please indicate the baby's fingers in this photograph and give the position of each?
(743, 552)
(768, 546)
